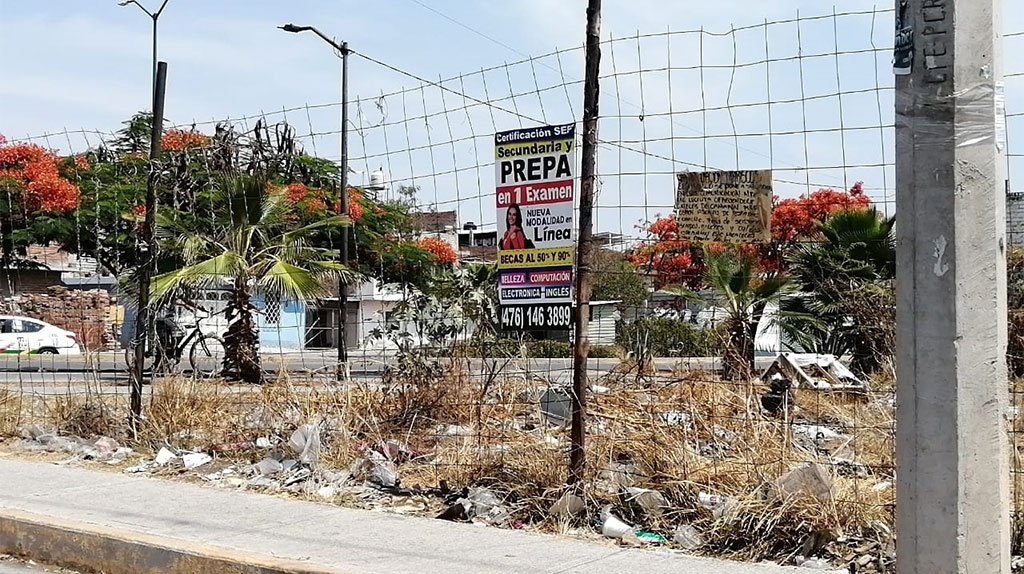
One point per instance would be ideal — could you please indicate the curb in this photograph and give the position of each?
(94, 548)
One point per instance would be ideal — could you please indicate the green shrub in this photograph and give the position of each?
(549, 349)
(666, 337)
(605, 352)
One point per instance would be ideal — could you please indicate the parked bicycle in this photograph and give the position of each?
(168, 345)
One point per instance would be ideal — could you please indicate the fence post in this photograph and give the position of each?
(952, 506)
(588, 179)
(147, 263)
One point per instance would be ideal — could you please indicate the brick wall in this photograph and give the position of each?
(85, 313)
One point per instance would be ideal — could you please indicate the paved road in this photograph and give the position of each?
(61, 374)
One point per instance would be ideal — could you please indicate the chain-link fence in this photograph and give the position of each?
(687, 439)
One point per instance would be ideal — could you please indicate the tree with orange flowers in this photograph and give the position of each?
(33, 180)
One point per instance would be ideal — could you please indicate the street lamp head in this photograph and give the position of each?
(293, 28)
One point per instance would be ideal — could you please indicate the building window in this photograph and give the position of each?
(273, 310)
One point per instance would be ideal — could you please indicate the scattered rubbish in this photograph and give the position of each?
(377, 469)
(268, 466)
(811, 479)
(143, 466)
(395, 451)
(556, 406)
(651, 501)
(568, 505)
(305, 441)
(678, 418)
(326, 492)
(688, 536)
(619, 476)
(812, 563)
(454, 430)
(882, 486)
(458, 512)
(649, 537)
(612, 526)
(823, 372)
(194, 460)
(486, 507)
(819, 438)
(599, 389)
(779, 396)
(231, 447)
(711, 500)
(219, 475)
(263, 442)
(852, 468)
(300, 475)
(164, 456)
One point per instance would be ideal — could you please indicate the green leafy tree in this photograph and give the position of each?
(257, 248)
(743, 293)
(845, 303)
(616, 279)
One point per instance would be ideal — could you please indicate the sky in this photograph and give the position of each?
(672, 99)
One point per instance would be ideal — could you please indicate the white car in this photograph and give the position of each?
(24, 335)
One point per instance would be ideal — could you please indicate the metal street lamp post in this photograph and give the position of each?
(343, 50)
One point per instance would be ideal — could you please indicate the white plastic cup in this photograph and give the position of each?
(615, 528)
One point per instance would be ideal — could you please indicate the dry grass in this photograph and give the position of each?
(10, 412)
(485, 431)
(86, 416)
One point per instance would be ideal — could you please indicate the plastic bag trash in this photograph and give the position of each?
(382, 470)
(326, 492)
(263, 442)
(652, 501)
(105, 447)
(811, 479)
(688, 536)
(483, 500)
(649, 537)
(305, 441)
(268, 466)
(612, 526)
(164, 456)
(195, 459)
(568, 505)
(141, 467)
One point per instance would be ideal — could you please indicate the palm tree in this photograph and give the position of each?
(254, 244)
(744, 293)
(845, 302)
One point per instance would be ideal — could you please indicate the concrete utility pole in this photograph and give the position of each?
(952, 510)
(588, 181)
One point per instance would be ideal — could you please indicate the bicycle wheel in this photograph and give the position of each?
(207, 356)
(129, 358)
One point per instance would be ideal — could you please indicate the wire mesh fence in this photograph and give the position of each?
(437, 397)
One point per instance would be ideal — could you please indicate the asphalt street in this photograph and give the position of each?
(107, 371)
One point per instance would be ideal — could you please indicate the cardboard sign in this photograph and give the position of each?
(725, 206)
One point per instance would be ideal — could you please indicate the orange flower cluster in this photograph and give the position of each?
(440, 250)
(795, 218)
(177, 140)
(355, 206)
(36, 171)
(81, 163)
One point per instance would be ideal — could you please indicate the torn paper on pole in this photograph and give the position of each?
(808, 370)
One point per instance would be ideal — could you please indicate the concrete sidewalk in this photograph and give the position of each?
(320, 537)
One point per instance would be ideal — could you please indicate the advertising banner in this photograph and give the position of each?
(534, 172)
